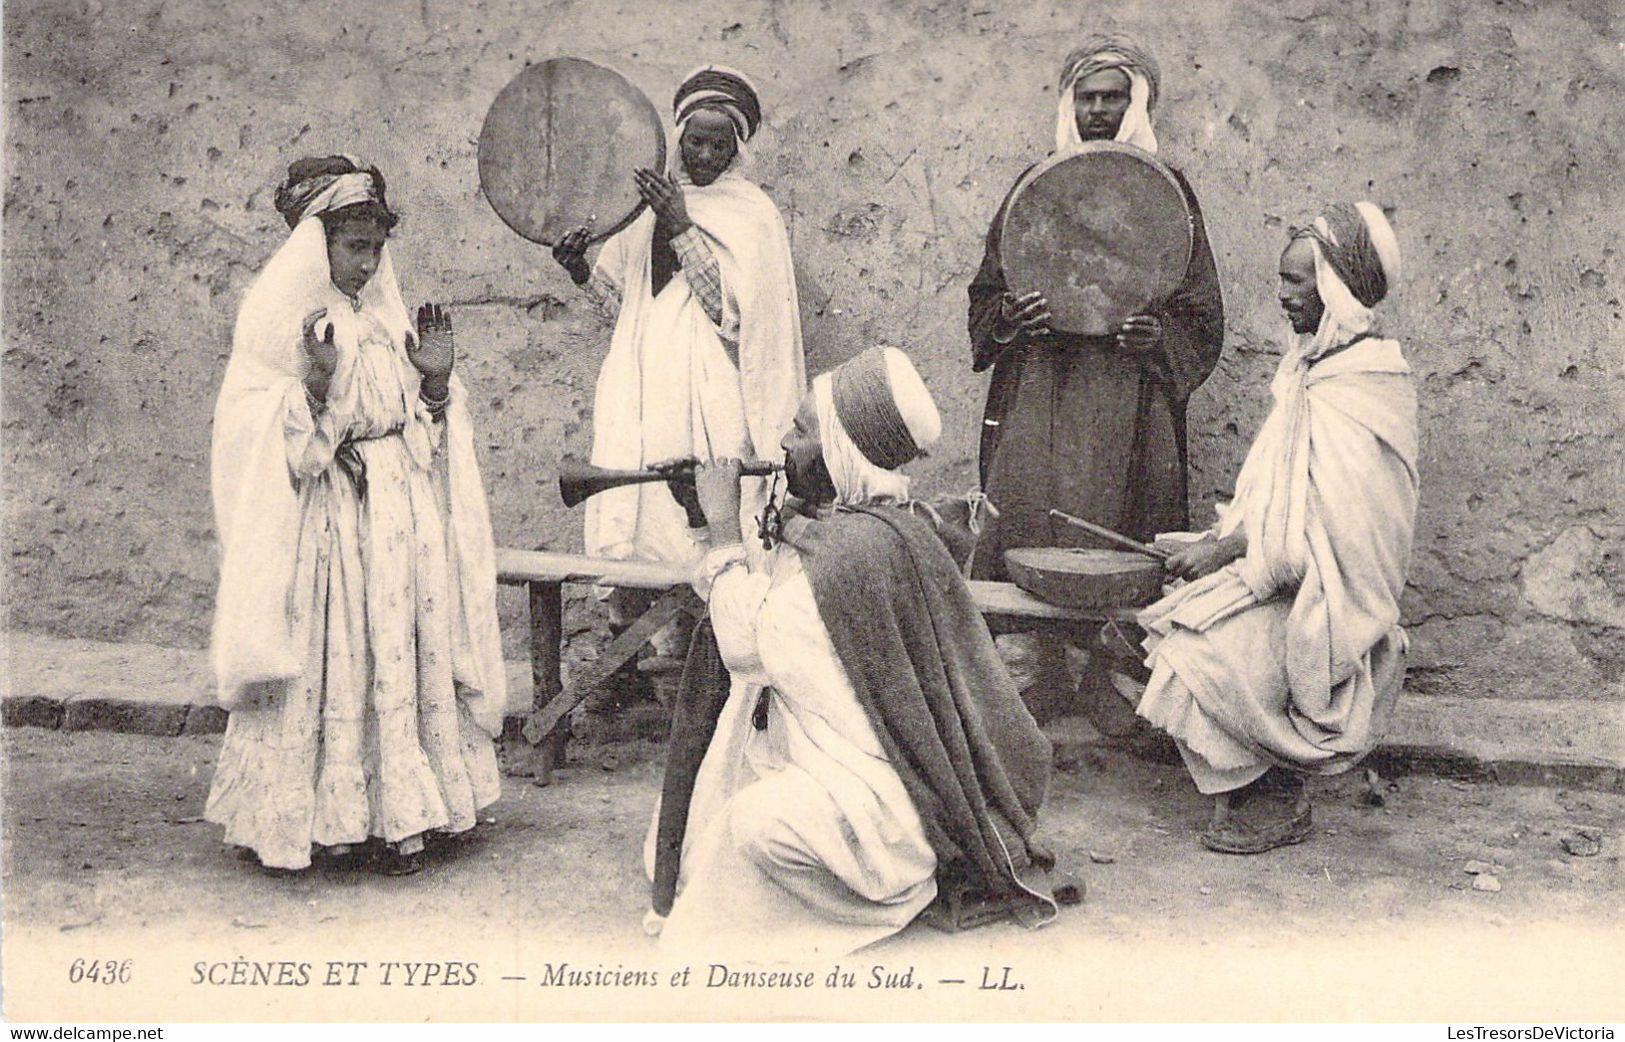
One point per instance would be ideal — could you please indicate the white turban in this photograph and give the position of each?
(1356, 262)
(1110, 51)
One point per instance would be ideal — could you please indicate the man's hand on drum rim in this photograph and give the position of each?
(571, 253)
(1021, 317)
(1140, 334)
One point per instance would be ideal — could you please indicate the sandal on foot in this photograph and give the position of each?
(441, 841)
(393, 863)
(250, 856)
(1237, 836)
(346, 857)
(1280, 783)
(280, 873)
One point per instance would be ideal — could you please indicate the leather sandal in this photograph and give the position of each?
(392, 862)
(250, 856)
(1237, 836)
(343, 857)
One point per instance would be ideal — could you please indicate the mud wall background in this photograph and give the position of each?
(143, 140)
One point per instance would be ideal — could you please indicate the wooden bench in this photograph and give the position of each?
(544, 574)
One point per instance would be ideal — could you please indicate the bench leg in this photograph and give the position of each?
(546, 671)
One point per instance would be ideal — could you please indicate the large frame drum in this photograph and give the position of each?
(1103, 233)
(558, 148)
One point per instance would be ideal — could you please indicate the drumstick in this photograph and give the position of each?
(1108, 534)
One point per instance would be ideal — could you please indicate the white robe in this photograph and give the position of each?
(801, 838)
(668, 387)
(355, 636)
(1294, 654)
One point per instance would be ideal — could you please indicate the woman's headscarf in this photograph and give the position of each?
(1356, 261)
(306, 191)
(874, 415)
(298, 279)
(1110, 51)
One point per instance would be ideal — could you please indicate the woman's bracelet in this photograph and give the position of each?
(435, 405)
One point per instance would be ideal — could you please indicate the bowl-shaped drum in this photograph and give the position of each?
(1085, 578)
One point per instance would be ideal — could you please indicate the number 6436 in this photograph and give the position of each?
(99, 971)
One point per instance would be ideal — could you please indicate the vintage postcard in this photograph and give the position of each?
(812, 510)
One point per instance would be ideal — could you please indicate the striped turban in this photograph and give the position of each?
(1101, 51)
(1112, 51)
(874, 415)
(1356, 262)
(727, 91)
(1356, 240)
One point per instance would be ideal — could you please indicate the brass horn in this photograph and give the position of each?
(580, 480)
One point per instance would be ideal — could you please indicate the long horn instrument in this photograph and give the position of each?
(580, 480)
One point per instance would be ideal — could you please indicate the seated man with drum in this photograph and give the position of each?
(872, 748)
(1091, 421)
(706, 358)
(1282, 654)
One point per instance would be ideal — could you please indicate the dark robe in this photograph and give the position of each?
(922, 664)
(1075, 423)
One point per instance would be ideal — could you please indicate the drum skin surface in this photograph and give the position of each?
(1103, 233)
(558, 148)
(1085, 578)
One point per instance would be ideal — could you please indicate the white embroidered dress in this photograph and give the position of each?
(355, 639)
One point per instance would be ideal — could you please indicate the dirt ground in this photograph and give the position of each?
(104, 842)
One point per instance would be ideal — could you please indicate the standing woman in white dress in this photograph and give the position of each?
(355, 635)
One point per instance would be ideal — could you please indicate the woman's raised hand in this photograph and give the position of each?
(322, 353)
(432, 352)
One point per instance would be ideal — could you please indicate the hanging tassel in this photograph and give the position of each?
(912, 504)
(770, 526)
(979, 503)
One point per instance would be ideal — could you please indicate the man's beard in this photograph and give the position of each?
(811, 484)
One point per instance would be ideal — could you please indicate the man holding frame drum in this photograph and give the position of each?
(1086, 409)
(706, 359)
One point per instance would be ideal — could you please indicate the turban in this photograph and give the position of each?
(330, 187)
(1353, 239)
(1102, 51)
(1356, 261)
(874, 415)
(723, 89)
